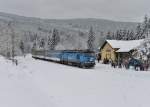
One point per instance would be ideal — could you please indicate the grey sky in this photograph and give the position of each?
(123, 10)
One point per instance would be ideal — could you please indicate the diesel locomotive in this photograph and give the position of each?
(80, 58)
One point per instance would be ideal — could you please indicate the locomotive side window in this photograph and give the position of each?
(78, 56)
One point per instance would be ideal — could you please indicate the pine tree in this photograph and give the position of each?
(22, 46)
(124, 34)
(139, 32)
(108, 36)
(34, 46)
(42, 43)
(10, 24)
(91, 39)
(149, 28)
(55, 39)
(113, 35)
(49, 41)
(117, 35)
(145, 27)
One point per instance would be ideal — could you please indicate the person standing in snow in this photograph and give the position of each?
(16, 62)
(98, 57)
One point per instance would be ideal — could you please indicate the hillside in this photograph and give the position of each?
(73, 32)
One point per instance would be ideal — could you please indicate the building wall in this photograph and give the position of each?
(108, 52)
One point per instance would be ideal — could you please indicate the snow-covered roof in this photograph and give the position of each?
(125, 46)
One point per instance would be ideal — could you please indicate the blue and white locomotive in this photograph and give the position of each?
(80, 58)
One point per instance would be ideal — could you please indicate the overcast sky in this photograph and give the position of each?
(122, 10)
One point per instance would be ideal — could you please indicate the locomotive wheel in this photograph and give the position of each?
(62, 62)
(81, 65)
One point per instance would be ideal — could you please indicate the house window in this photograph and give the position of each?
(108, 50)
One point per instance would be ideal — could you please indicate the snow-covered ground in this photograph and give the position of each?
(36, 83)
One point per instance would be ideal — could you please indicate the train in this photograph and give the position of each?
(79, 58)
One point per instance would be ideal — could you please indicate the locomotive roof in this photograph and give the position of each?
(69, 51)
(82, 51)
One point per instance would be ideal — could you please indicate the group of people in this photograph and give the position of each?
(114, 64)
(127, 63)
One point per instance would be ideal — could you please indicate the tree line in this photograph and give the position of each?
(49, 42)
(141, 32)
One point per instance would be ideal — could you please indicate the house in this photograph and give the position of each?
(119, 49)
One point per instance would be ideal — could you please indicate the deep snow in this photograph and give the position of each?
(36, 83)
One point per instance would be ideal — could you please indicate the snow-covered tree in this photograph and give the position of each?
(49, 41)
(10, 25)
(144, 49)
(34, 46)
(108, 36)
(131, 35)
(54, 40)
(91, 39)
(145, 27)
(123, 34)
(42, 43)
(21, 45)
(139, 31)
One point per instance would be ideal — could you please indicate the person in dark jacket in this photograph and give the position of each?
(98, 57)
